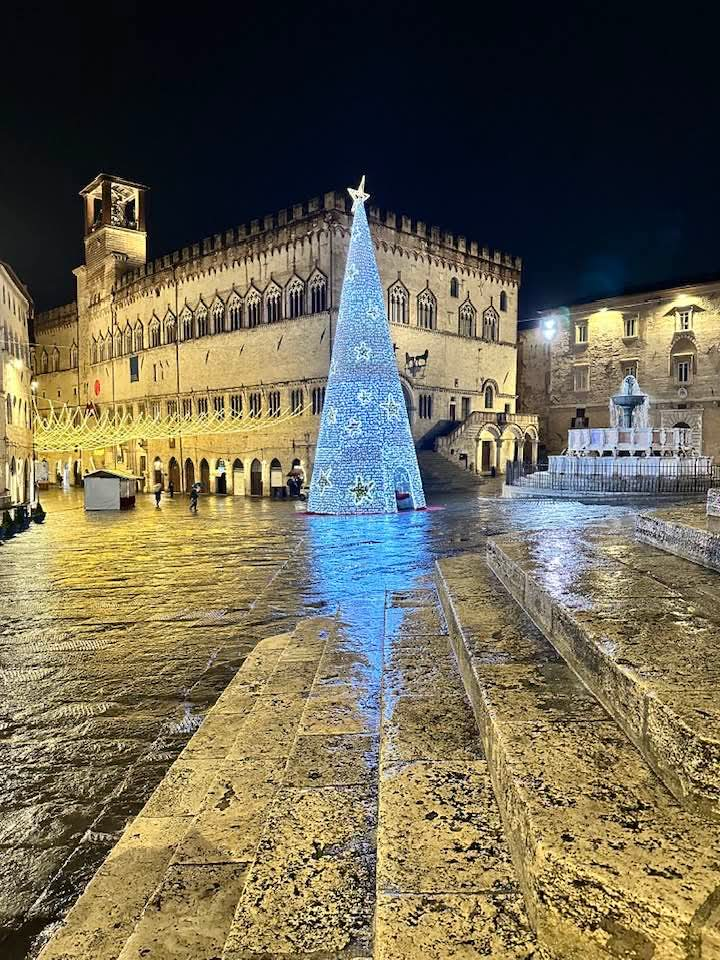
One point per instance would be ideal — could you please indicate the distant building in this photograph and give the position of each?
(570, 361)
(16, 462)
(244, 322)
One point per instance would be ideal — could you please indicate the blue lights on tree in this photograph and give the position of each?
(365, 460)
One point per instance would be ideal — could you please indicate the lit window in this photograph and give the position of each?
(581, 332)
(581, 378)
(630, 326)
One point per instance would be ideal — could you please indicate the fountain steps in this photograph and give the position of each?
(610, 863)
(686, 532)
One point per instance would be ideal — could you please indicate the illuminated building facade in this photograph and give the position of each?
(16, 460)
(244, 322)
(571, 360)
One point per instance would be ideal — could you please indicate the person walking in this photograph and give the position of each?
(193, 499)
(157, 490)
(171, 489)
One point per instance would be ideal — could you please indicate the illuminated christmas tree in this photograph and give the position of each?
(365, 460)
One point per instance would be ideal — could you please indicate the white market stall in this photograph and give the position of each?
(110, 489)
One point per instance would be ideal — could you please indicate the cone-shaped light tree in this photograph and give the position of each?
(365, 460)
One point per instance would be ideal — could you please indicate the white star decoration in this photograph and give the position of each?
(373, 312)
(352, 271)
(359, 195)
(362, 489)
(324, 480)
(364, 397)
(353, 428)
(362, 352)
(391, 408)
(332, 416)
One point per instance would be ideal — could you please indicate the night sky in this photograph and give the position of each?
(584, 138)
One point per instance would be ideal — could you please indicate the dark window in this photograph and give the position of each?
(236, 404)
(274, 403)
(255, 404)
(454, 287)
(297, 401)
(134, 369)
(318, 399)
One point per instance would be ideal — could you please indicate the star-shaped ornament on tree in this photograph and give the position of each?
(353, 428)
(362, 352)
(324, 481)
(391, 407)
(373, 312)
(359, 195)
(364, 397)
(352, 271)
(362, 489)
(332, 416)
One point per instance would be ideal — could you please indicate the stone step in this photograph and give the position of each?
(309, 891)
(610, 864)
(684, 531)
(446, 885)
(121, 899)
(646, 647)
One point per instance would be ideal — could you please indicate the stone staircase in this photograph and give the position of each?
(440, 475)
(596, 699)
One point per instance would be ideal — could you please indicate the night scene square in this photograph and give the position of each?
(359, 482)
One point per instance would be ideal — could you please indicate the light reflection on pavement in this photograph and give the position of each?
(118, 631)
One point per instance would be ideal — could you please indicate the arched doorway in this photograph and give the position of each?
(220, 477)
(527, 450)
(158, 471)
(407, 394)
(76, 473)
(238, 478)
(174, 473)
(256, 484)
(277, 481)
(27, 492)
(205, 475)
(189, 473)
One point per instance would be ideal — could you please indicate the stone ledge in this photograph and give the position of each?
(609, 864)
(687, 534)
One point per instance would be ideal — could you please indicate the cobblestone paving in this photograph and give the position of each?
(117, 632)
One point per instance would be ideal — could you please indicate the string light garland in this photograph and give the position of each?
(64, 428)
(365, 460)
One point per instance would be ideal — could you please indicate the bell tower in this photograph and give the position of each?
(114, 229)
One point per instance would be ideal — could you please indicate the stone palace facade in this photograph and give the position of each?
(571, 361)
(243, 323)
(16, 459)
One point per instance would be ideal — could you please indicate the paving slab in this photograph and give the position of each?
(610, 863)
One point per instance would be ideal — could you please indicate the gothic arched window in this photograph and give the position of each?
(253, 302)
(318, 293)
(273, 301)
(503, 301)
(186, 324)
(44, 361)
(426, 310)
(398, 299)
(296, 298)
(489, 398)
(218, 316)
(154, 332)
(454, 287)
(55, 360)
(138, 337)
(201, 320)
(466, 319)
(170, 328)
(93, 354)
(491, 324)
(73, 355)
(117, 342)
(126, 342)
(235, 312)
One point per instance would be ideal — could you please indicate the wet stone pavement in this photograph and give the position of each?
(118, 632)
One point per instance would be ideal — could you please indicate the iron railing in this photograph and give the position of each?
(651, 477)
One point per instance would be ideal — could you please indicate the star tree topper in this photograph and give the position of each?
(359, 195)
